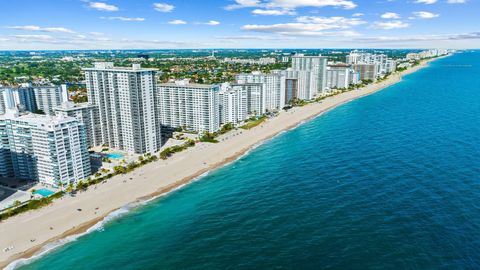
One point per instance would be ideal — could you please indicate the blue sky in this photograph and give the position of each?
(157, 24)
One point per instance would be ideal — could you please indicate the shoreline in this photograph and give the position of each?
(56, 222)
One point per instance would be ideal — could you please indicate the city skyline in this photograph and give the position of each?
(174, 24)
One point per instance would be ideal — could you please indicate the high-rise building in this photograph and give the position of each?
(48, 149)
(306, 83)
(22, 98)
(317, 66)
(88, 115)
(367, 71)
(255, 97)
(340, 76)
(385, 64)
(47, 98)
(233, 104)
(127, 111)
(194, 107)
(291, 90)
(273, 84)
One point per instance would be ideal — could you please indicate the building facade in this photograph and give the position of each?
(47, 98)
(317, 66)
(273, 84)
(127, 111)
(366, 71)
(341, 76)
(255, 97)
(193, 107)
(22, 98)
(88, 115)
(233, 104)
(51, 150)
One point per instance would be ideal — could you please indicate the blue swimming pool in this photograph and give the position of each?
(44, 192)
(115, 155)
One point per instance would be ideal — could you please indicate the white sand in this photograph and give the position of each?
(152, 180)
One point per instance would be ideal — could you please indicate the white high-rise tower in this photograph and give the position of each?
(126, 107)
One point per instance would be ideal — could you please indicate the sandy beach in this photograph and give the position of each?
(30, 232)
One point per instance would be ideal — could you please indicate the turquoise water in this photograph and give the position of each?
(44, 192)
(390, 181)
(115, 155)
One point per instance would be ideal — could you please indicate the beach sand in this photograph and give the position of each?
(62, 218)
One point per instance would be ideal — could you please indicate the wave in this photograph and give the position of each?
(71, 238)
(97, 227)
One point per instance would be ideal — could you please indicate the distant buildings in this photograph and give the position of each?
(33, 99)
(51, 150)
(427, 54)
(127, 111)
(261, 61)
(361, 60)
(194, 107)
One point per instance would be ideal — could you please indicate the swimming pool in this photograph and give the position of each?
(115, 155)
(44, 192)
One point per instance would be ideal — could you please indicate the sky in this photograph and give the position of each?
(165, 24)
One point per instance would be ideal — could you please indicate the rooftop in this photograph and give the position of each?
(36, 119)
(108, 66)
(187, 84)
(70, 106)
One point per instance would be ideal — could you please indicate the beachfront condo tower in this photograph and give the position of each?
(193, 107)
(233, 104)
(317, 66)
(87, 114)
(273, 84)
(341, 76)
(50, 149)
(127, 111)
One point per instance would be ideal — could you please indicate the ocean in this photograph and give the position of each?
(388, 181)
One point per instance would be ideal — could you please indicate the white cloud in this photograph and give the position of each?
(125, 19)
(97, 34)
(446, 37)
(390, 25)
(163, 7)
(34, 37)
(212, 23)
(390, 15)
(425, 15)
(427, 2)
(42, 29)
(273, 12)
(310, 26)
(290, 5)
(456, 1)
(336, 22)
(102, 6)
(177, 22)
(254, 37)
